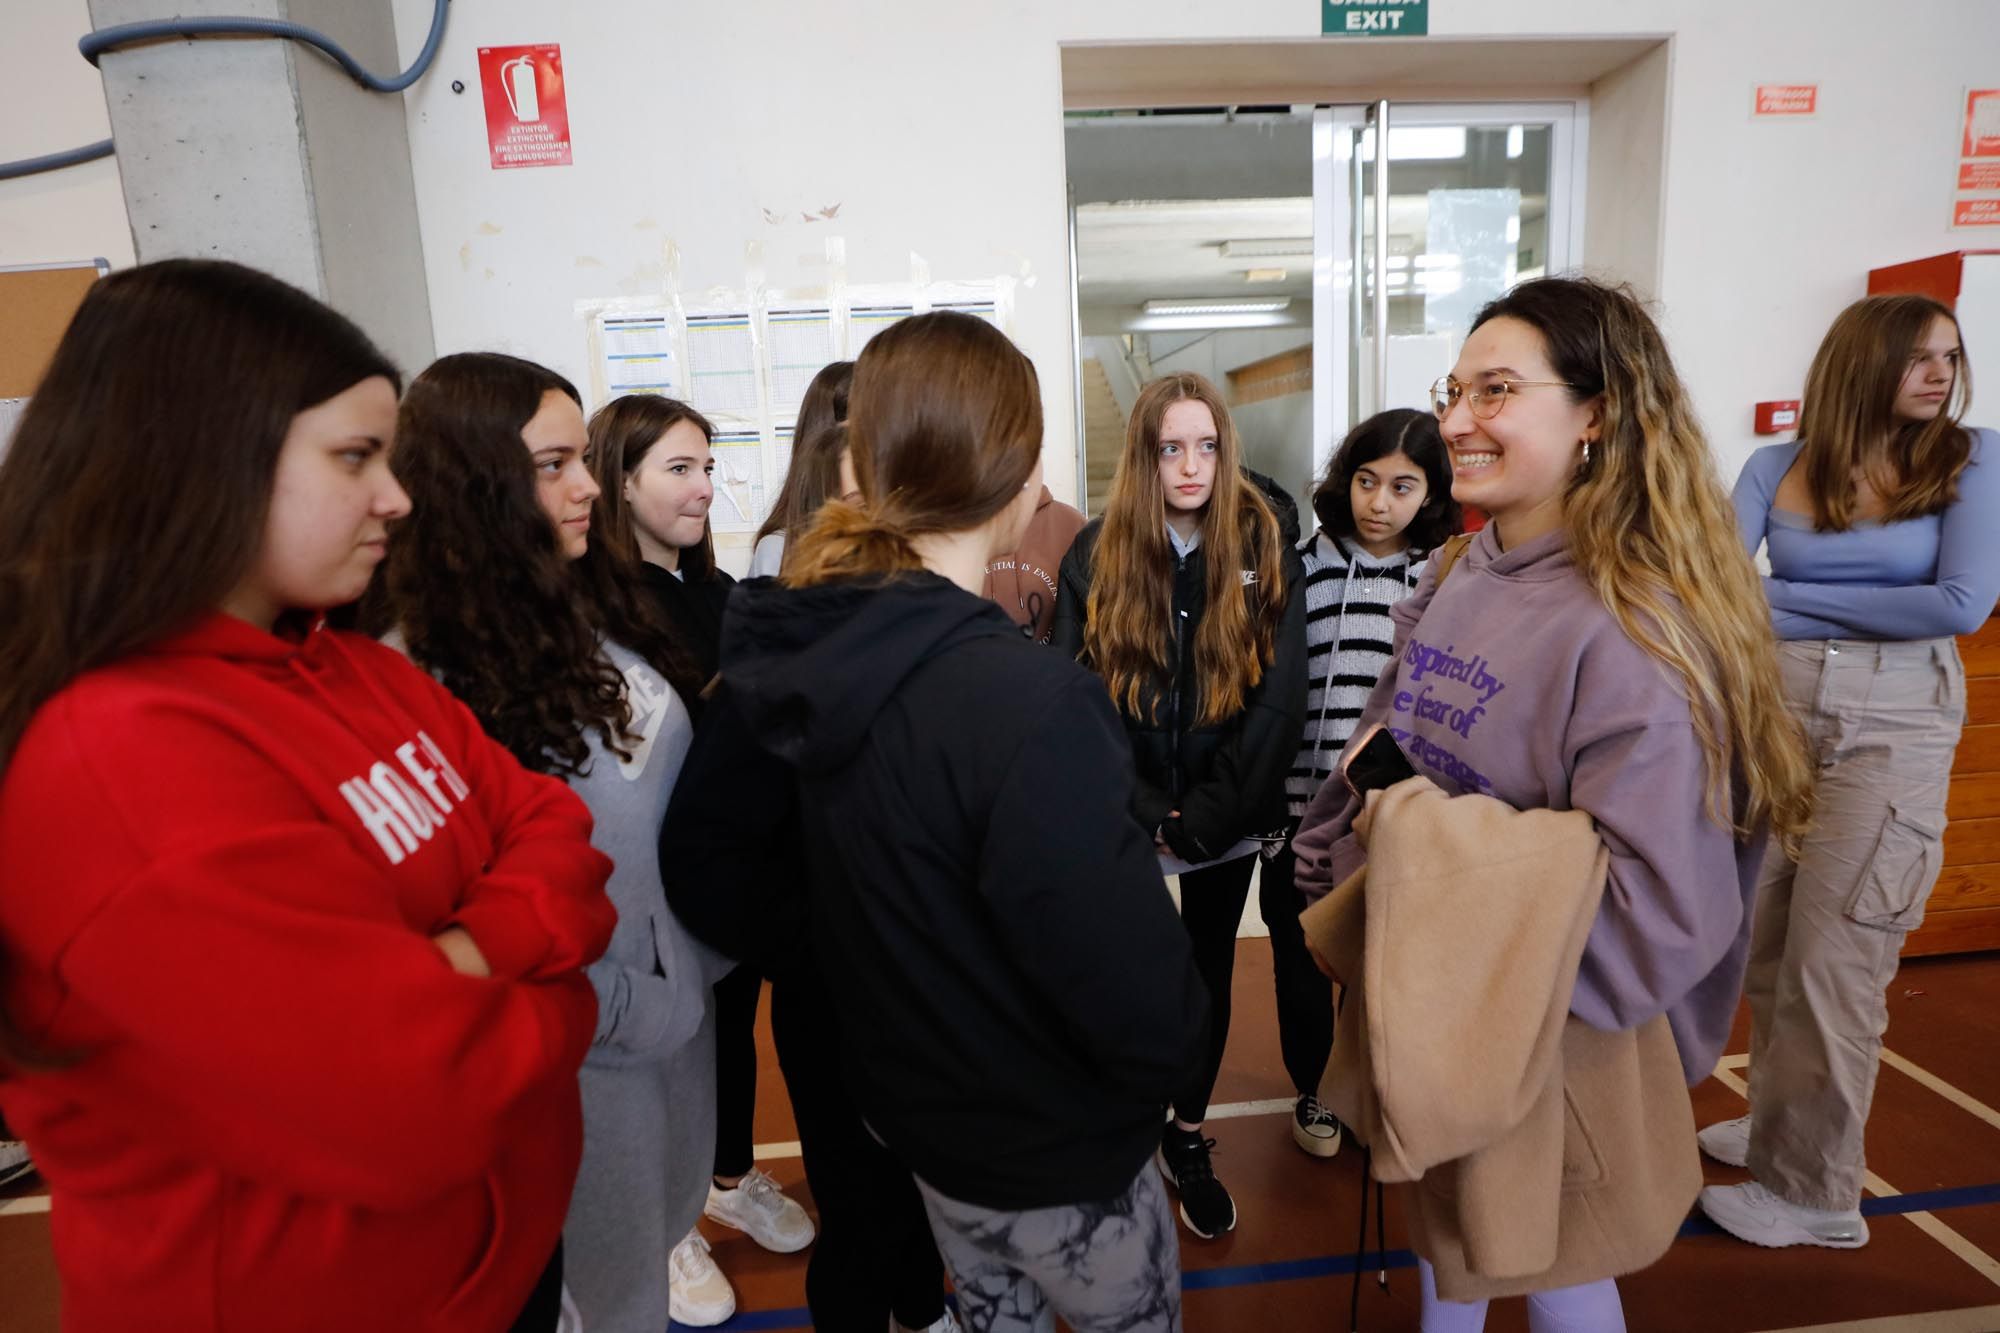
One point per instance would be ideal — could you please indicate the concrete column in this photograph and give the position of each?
(263, 151)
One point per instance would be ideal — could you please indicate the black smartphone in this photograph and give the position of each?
(1378, 762)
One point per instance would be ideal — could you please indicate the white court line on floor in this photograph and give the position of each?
(770, 1152)
(1964, 1100)
(1269, 1106)
(29, 1203)
(1982, 1320)
(1977, 1259)
(1956, 1096)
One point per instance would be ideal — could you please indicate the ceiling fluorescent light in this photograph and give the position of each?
(1276, 248)
(1264, 275)
(1223, 306)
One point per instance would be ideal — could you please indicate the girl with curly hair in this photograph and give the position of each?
(486, 588)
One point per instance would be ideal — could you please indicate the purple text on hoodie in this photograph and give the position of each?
(1515, 681)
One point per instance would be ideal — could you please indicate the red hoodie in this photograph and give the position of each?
(223, 858)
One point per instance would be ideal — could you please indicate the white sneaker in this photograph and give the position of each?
(945, 1323)
(698, 1294)
(15, 1163)
(759, 1209)
(1751, 1212)
(1314, 1128)
(1727, 1142)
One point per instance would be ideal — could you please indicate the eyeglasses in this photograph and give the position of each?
(1485, 400)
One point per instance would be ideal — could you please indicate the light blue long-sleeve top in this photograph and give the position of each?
(1917, 578)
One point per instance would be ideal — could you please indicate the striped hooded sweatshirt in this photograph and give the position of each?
(1349, 638)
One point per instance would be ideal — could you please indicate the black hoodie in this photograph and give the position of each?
(1016, 997)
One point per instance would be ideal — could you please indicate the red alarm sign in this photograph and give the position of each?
(527, 113)
(1776, 418)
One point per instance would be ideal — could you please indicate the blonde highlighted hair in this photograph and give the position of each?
(1651, 529)
(1848, 415)
(1127, 631)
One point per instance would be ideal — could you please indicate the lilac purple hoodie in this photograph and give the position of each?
(1514, 680)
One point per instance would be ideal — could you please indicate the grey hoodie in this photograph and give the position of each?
(649, 1080)
(1517, 682)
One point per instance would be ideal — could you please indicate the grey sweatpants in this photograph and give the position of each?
(1883, 720)
(1107, 1267)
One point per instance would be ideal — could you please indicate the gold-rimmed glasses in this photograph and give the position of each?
(1485, 398)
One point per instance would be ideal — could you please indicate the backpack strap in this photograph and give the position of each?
(1448, 554)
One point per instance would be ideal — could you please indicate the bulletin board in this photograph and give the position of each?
(39, 300)
(743, 357)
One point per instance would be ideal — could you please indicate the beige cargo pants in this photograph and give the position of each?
(1883, 720)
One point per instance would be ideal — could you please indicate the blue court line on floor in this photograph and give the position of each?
(1343, 1265)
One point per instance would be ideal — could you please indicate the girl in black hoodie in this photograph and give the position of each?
(1015, 1000)
(1184, 598)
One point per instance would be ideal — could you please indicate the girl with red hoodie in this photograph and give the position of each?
(291, 954)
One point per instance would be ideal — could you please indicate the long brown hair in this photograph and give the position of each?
(134, 495)
(1848, 424)
(945, 427)
(622, 433)
(813, 476)
(133, 498)
(475, 579)
(1127, 635)
(1651, 529)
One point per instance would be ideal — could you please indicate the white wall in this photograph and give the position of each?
(54, 101)
(938, 130)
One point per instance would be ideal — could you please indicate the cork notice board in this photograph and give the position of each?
(36, 303)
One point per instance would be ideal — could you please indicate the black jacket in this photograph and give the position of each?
(1227, 779)
(1016, 997)
(693, 610)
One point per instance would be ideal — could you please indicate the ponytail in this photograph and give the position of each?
(846, 541)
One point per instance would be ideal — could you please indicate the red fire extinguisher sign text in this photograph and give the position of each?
(527, 110)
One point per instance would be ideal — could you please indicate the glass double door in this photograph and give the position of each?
(1314, 280)
(1409, 244)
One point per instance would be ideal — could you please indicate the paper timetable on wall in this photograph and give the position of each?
(638, 352)
(986, 308)
(722, 364)
(866, 319)
(741, 493)
(799, 342)
(783, 433)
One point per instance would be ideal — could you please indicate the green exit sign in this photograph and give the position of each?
(1374, 18)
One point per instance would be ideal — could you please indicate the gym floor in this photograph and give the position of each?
(1934, 1205)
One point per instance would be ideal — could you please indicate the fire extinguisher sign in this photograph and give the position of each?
(527, 112)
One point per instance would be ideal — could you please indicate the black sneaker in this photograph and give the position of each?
(1205, 1205)
(1314, 1128)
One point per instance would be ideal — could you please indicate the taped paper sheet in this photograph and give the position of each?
(801, 343)
(741, 493)
(638, 355)
(722, 364)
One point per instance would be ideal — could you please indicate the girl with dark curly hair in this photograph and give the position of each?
(487, 587)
